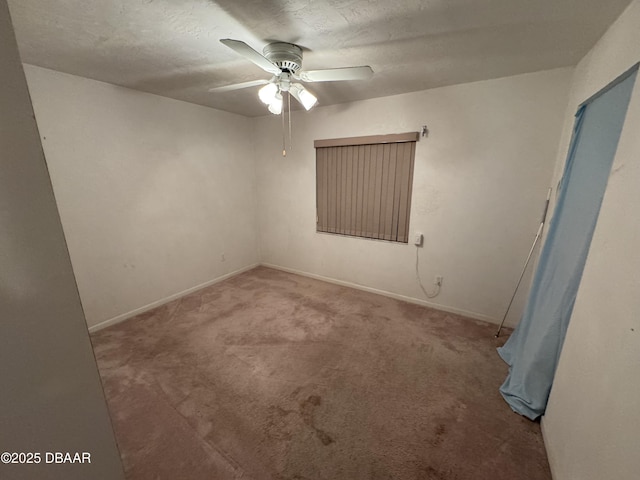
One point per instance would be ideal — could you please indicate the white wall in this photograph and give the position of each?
(51, 398)
(592, 424)
(151, 191)
(480, 181)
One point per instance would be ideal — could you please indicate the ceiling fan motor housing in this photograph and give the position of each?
(286, 56)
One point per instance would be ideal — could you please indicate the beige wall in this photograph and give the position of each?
(480, 181)
(592, 424)
(50, 393)
(151, 191)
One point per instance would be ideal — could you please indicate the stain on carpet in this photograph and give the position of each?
(307, 408)
(274, 376)
(440, 430)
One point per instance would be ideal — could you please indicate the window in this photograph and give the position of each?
(363, 185)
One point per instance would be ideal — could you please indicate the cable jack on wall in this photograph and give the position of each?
(437, 281)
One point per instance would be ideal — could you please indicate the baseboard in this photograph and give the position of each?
(550, 458)
(418, 301)
(170, 298)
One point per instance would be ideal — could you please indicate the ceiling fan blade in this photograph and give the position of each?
(238, 86)
(250, 54)
(336, 74)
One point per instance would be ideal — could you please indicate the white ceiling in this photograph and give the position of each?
(172, 48)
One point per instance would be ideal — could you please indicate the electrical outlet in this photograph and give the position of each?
(417, 240)
(438, 280)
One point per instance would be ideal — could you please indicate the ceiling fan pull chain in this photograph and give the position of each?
(289, 110)
(284, 149)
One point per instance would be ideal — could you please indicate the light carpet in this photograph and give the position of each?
(275, 376)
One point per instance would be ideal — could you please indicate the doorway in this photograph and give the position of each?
(533, 350)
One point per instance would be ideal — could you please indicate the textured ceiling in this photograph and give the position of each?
(172, 48)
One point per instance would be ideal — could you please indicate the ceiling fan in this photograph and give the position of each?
(284, 62)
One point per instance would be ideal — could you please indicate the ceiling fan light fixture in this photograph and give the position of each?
(267, 94)
(302, 95)
(307, 99)
(275, 106)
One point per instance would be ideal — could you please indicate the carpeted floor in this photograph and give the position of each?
(274, 376)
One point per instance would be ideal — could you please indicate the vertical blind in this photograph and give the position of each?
(364, 186)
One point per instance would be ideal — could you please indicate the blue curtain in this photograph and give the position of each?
(533, 350)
